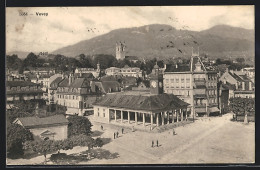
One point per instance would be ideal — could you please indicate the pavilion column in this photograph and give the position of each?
(121, 116)
(115, 115)
(157, 119)
(144, 119)
(168, 118)
(135, 118)
(152, 119)
(186, 115)
(128, 117)
(181, 114)
(177, 115)
(163, 113)
(173, 116)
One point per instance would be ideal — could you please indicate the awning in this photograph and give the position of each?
(213, 109)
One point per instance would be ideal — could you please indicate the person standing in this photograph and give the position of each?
(122, 130)
(114, 135)
(117, 134)
(101, 127)
(133, 129)
(157, 143)
(152, 143)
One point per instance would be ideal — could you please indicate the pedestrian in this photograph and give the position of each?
(122, 130)
(173, 132)
(152, 143)
(114, 135)
(101, 127)
(157, 143)
(117, 134)
(133, 129)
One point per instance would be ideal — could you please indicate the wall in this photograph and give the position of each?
(61, 131)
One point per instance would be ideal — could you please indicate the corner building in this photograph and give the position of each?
(193, 84)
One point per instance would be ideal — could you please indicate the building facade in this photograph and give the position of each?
(142, 107)
(126, 71)
(94, 72)
(193, 84)
(22, 90)
(51, 127)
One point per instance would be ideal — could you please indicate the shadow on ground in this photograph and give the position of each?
(96, 133)
(85, 156)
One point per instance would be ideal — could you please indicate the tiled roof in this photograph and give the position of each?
(44, 121)
(235, 76)
(105, 86)
(161, 102)
(84, 75)
(108, 78)
(77, 83)
(20, 83)
(54, 83)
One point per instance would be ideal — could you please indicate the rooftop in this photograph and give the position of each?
(44, 121)
(20, 83)
(136, 100)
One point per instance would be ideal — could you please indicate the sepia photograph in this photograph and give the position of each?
(127, 85)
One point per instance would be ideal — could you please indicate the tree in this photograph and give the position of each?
(83, 140)
(242, 106)
(240, 60)
(79, 125)
(30, 60)
(16, 136)
(13, 62)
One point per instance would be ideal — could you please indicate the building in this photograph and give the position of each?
(145, 107)
(94, 72)
(126, 71)
(22, 90)
(193, 84)
(51, 127)
(120, 50)
(244, 87)
(77, 94)
(224, 91)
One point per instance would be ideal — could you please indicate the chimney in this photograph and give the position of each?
(250, 85)
(236, 85)
(243, 85)
(80, 74)
(225, 81)
(164, 66)
(176, 65)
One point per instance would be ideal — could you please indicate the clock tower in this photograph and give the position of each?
(156, 81)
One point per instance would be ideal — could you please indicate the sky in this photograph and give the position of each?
(65, 26)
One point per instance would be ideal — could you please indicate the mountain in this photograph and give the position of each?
(20, 54)
(165, 41)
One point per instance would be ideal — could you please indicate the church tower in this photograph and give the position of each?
(156, 81)
(120, 50)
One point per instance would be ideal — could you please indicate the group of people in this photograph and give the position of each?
(117, 133)
(157, 143)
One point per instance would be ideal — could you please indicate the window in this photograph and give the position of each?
(172, 80)
(167, 80)
(182, 80)
(188, 93)
(177, 80)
